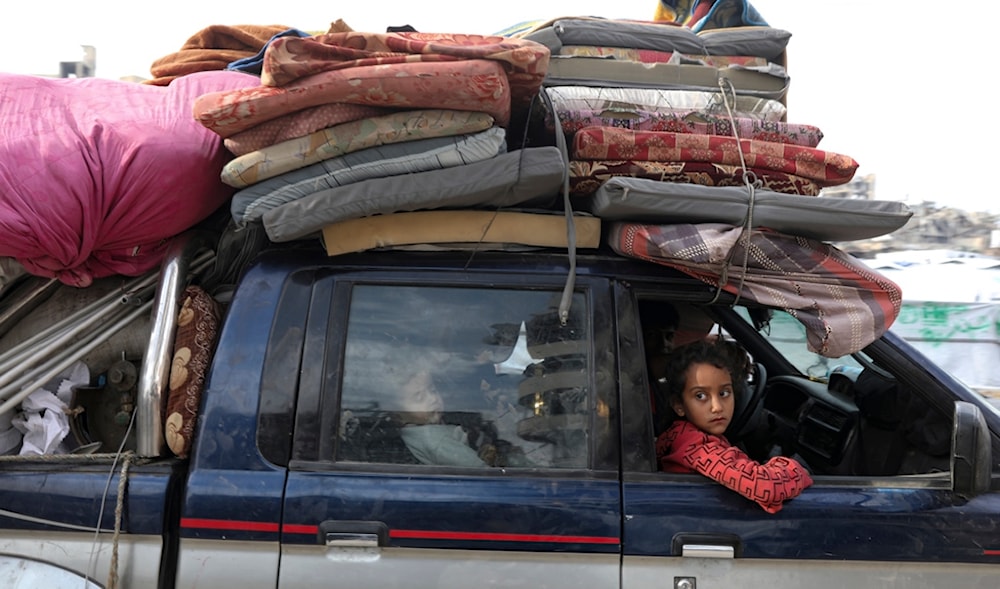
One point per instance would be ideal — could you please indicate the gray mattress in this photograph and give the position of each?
(526, 177)
(642, 200)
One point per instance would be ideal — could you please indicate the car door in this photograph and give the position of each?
(453, 432)
(852, 527)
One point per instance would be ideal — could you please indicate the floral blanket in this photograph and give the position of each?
(400, 70)
(611, 143)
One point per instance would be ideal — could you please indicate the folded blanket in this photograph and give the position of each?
(290, 59)
(212, 48)
(475, 85)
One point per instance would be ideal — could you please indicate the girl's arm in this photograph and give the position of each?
(767, 484)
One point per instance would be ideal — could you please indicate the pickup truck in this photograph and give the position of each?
(302, 472)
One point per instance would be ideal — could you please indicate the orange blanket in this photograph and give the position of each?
(212, 48)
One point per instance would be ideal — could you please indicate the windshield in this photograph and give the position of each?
(788, 336)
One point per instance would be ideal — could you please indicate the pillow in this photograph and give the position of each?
(766, 42)
(194, 344)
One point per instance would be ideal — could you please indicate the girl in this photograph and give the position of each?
(701, 393)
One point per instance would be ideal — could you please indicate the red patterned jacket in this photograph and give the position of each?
(685, 448)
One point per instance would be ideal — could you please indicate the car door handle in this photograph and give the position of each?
(353, 534)
(702, 545)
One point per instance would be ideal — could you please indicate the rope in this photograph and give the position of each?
(567, 293)
(752, 183)
(127, 459)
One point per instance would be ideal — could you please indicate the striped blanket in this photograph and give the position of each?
(843, 304)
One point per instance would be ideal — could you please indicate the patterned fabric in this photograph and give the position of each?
(403, 70)
(682, 102)
(298, 124)
(843, 304)
(290, 59)
(653, 56)
(610, 143)
(587, 176)
(689, 122)
(349, 137)
(685, 448)
(475, 85)
(194, 344)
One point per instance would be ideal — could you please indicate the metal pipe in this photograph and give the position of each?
(16, 354)
(59, 367)
(155, 371)
(56, 354)
(24, 298)
(7, 374)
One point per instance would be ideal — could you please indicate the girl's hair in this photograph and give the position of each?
(725, 354)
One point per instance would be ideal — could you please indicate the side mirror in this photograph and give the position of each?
(971, 453)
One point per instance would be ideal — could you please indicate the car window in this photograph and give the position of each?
(850, 416)
(466, 377)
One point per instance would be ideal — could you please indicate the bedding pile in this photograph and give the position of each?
(347, 125)
(676, 132)
(678, 121)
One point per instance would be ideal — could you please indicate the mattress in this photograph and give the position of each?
(767, 82)
(349, 137)
(480, 228)
(610, 143)
(758, 41)
(587, 176)
(579, 98)
(525, 177)
(407, 157)
(824, 219)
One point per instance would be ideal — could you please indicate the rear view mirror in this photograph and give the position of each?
(971, 454)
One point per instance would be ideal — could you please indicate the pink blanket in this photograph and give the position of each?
(96, 175)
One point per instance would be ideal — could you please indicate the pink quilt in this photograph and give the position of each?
(96, 175)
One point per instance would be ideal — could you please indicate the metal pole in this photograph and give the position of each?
(154, 374)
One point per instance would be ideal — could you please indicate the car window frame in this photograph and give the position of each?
(326, 338)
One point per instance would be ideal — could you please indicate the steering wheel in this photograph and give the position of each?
(748, 404)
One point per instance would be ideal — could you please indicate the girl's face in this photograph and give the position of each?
(707, 400)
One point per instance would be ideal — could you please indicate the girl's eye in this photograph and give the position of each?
(726, 393)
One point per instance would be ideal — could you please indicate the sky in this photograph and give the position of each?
(906, 94)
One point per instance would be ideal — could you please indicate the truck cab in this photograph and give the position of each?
(313, 457)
